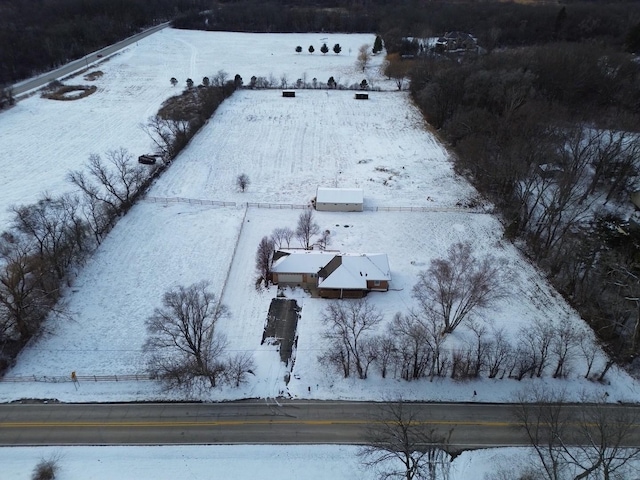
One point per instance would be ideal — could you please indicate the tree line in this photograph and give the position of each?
(47, 241)
(505, 24)
(549, 134)
(40, 36)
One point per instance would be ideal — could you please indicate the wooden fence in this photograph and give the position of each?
(293, 206)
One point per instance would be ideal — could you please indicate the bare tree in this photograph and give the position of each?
(460, 284)
(535, 341)
(364, 57)
(413, 346)
(499, 352)
(97, 217)
(306, 228)
(282, 236)
(401, 444)
(169, 135)
(523, 361)
(348, 328)
(479, 349)
(386, 352)
(264, 257)
(564, 345)
(592, 441)
(183, 343)
(23, 301)
(115, 182)
(243, 181)
(219, 79)
(324, 240)
(542, 416)
(56, 229)
(588, 350)
(603, 440)
(237, 368)
(397, 69)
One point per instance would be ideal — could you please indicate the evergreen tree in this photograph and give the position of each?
(324, 49)
(298, 49)
(377, 44)
(311, 49)
(337, 48)
(331, 83)
(174, 81)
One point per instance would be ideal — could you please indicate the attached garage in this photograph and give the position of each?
(287, 278)
(339, 199)
(299, 268)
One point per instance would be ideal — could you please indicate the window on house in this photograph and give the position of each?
(376, 283)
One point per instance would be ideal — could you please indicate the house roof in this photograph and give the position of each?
(353, 271)
(301, 261)
(339, 195)
(339, 270)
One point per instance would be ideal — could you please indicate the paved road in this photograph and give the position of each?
(84, 62)
(258, 421)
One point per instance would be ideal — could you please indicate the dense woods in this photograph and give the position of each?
(38, 36)
(549, 134)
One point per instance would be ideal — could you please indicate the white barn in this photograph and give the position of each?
(339, 199)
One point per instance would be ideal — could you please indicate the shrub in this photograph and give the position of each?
(45, 470)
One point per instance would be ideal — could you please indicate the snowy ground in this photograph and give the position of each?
(246, 462)
(287, 147)
(42, 140)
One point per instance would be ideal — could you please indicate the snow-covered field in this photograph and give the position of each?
(286, 462)
(287, 147)
(42, 140)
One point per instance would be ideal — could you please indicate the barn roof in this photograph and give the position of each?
(339, 195)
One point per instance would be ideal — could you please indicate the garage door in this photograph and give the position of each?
(289, 278)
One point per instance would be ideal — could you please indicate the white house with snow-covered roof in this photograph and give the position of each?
(339, 199)
(333, 274)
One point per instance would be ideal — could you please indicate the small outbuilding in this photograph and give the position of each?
(289, 93)
(362, 96)
(339, 199)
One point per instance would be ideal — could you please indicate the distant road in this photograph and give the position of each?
(245, 422)
(84, 62)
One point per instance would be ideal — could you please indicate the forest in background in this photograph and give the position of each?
(41, 35)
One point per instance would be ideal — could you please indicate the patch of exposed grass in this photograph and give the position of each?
(66, 92)
(91, 76)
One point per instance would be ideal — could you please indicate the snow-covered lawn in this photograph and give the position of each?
(286, 462)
